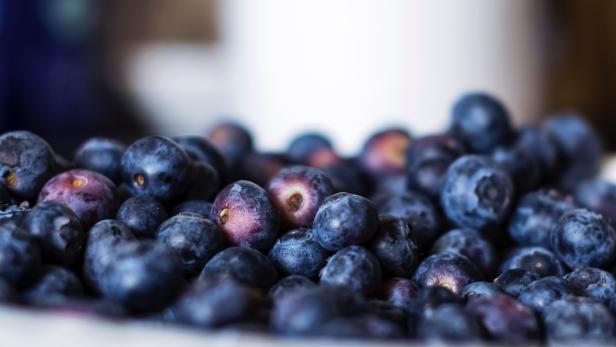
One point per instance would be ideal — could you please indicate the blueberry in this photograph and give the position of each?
(247, 216)
(200, 149)
(101, 155)
(200, 207)
(247, 266)
(597, 195)
(345, 177)
(481, 122)
(156, 166)
(26, 163)
(298, 192)
(449, 322)
(63, 164)
(582, 238)
(544, 291)
(353, 267)
(543, 147)
(303, 146)
(477, 194)
(345, 219)
(203, 182)
(298, 253)
(399, 292)
(194, 239)
(535, 216)
(395, 248)
(521, 165)
(480, 289)
(14, 214)
(55, 284)
(469, 243)
(427, 160)
(8, 294)
(538, 260)
(290, 284)
(5, 197)
(595, 284)
(505, 319)
(578, 320)
(322, 158)
(58, 231)
(20, 256)
(216, 302)
(514, 281)
(92, 196)
(446, 270)
(417, 211)
(384, 154)
(429, 298)
(232, 140)
(143, 276)
(142, 214)
(365, 326)
(399, 316)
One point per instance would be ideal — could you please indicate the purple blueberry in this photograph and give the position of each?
(449, 322)
(447, 270)
(578, 320)
(355, 268)
(290, 284)
(54, 285)
(305, 145)
(246, 265)
(537, 260)
(101, 155)
(395, 248)
(142, 214)
(544, 291)
(399, 292)
(469, 243)
(597, 195)
(20, 256)
(595, 284)
(384, 154)
(513, 281)
(232, 140)
(260, 168)
(298, 253)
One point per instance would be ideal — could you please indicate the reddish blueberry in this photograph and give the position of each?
(384, 154)
(304, 146)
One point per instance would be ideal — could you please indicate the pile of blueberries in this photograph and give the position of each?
(482, 232)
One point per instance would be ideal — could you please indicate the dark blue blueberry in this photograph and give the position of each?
(514, 281)
(427, 160)
(391, 313)
(260, 168)
(362, 327)
(200, 207)
(246, 215)
(543, 147)
(346, 178)
(200, 149)
(521, 165)
(345, 219)
(480, 289)
(232, 140)
(578, 320)
(477, 194)
(395, 248)
(247, 266)
(481, 122)
(193, 238)
(290, 284)
(303, 146)
(417, 211)
(399, 292)
(203, 182)
(101, 155)
(298, 253)
(582, 238)
(26, 163)
(535, 216)
(5, 197)
(86, 307)
(578, 146)
(55, 284)
(216, 302)
(156, 166)
(469, 243)
(20, 256)
(384, 154)
(298, 192)
(15, 214)
(542, 292)
(449, 323)
(8, 294)
(446, 270)
(537, 260)
(429, 298)
(505, 319)
(599, 196)
(595, 284)
(355, 268)
(58, 231)
(142, 214)
(143, 276)
(63, 164)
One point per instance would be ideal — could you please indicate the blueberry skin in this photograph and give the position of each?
(513, 281)
(101, 155)
(575, 319)
(446, 270)
(480, 289)
(303, 146)
(345, 219)
(232, 140)
(595, 284)
(15, 214)
(384, 153)
(103, 238)
(247, 266)
(449, 322)
(298, 253)
(505, 319)
(521, 165)
(92, 196)
(290, 284)
(427, 160)
(216, 302)
(597, 195)
(346, 177)
(469, 243)
(323, 158)
(194, 239)
(200, 149)
(353, 267)
(481, 122)
(20, 256)
(246, 215)
(5, 197)
(537, 260)
(142, 214)
(58, 231)
(298, 192)
(477, 194)
(8, 294)
(394, 247)
(582, 238)
(535, 216)
(399, 292)
(156, 166)
(365, 326)
(417, 211)
(542, 292)
(200, 207)
(143, 276)
(543, 147)
(55, 284)
(26, 163)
